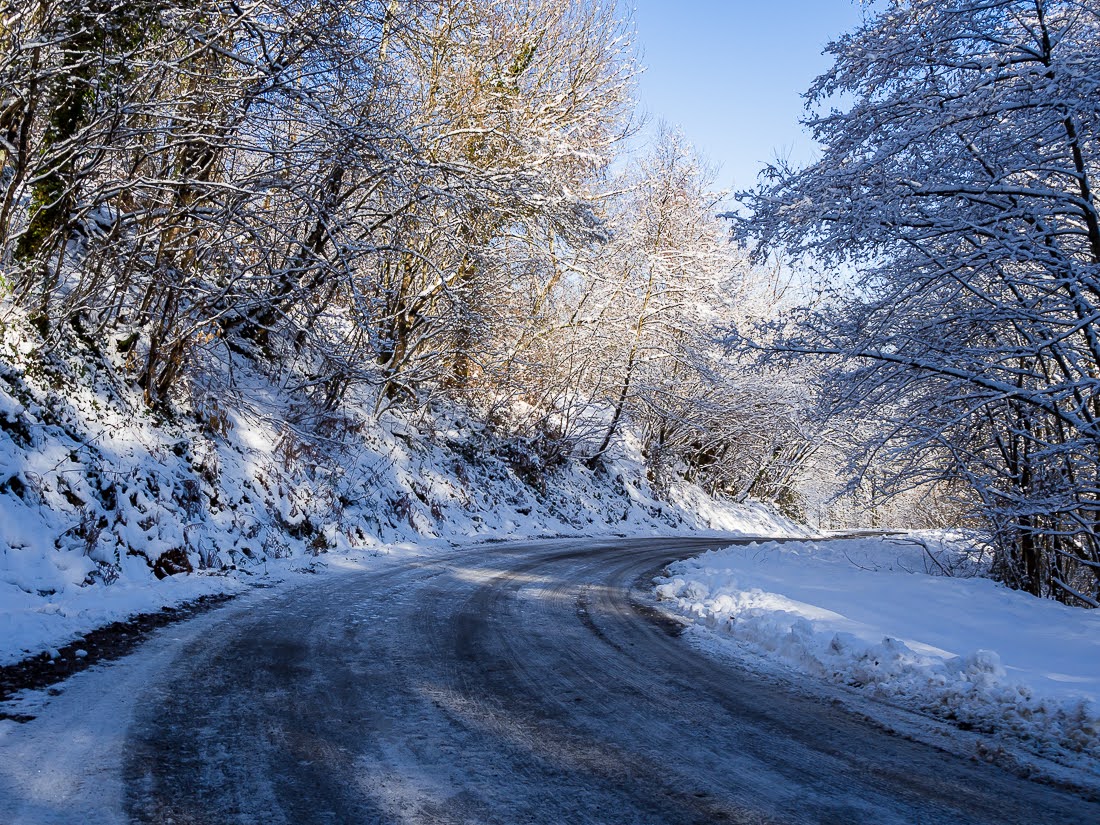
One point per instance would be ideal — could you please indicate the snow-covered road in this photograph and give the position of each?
(527, 682)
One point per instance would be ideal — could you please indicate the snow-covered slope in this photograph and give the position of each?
(100, 498)
(880, 616)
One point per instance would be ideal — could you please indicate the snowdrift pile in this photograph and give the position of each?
(880, 615)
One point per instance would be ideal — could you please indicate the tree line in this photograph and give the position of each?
(396, 200)
(387, 202)
(957, 191)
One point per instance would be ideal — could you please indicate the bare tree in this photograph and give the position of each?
(958, 177)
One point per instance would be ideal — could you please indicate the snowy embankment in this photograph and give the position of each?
(880, 616)
(107, 509)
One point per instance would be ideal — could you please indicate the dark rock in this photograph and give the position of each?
(172, 562)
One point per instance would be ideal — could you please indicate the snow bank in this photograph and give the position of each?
(878, 615)
(108, 509)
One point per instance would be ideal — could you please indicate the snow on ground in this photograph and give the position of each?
(67, 765)
(104, 504)
(879, 615)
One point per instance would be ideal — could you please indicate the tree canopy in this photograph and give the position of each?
(957, 175)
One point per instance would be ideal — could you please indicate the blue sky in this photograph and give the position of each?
(730, 73)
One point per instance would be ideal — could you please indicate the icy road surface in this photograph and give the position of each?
(519, 683)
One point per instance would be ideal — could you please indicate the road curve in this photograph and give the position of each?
(520, 683)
